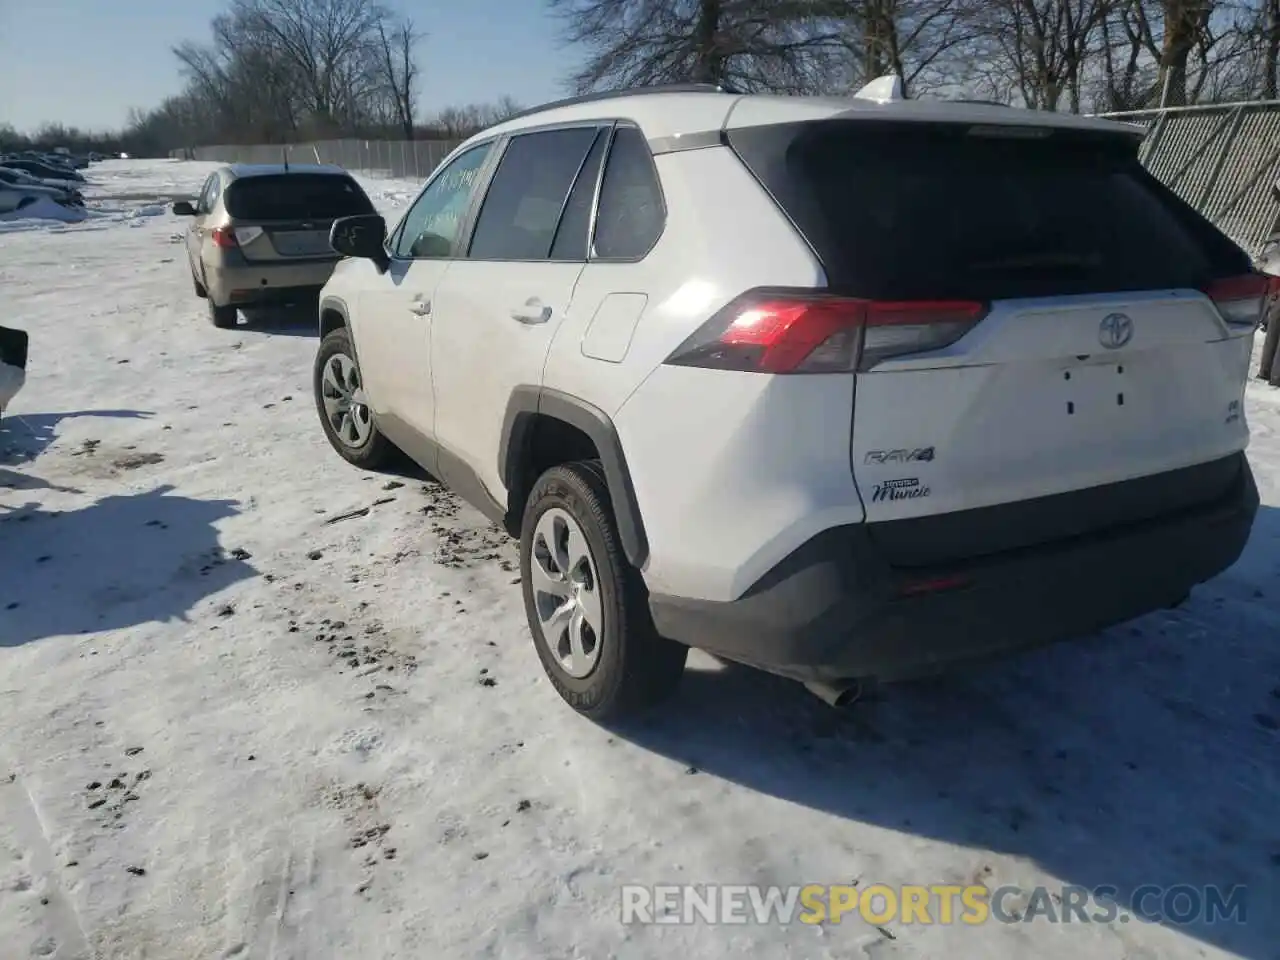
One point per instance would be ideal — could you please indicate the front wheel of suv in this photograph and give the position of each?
(342, 405)
(586, 604)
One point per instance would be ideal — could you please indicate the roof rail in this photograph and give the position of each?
(617, 94)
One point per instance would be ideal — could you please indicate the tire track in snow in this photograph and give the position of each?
(50, 917)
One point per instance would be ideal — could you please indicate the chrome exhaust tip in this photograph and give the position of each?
(837, 693)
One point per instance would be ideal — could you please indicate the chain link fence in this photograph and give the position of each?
(1223, 159)
(396, 159)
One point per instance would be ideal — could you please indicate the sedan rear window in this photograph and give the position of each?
(916, 210)
(296, 196)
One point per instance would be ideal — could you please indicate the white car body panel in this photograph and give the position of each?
(732, 471)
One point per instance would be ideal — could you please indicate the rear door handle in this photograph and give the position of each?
(532, 311)
(421, 307)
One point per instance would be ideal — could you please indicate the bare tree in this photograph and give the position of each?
(1040, 50)
(1128, 75)
(925, 42)
(458, 123)
(329, 47)
(277, 69)
(400, 70)
(1186, 30)
(1175, 52)
(783, 45)
(282, 70)
(1245, 60)
(1267, 29)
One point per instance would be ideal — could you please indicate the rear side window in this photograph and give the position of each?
(209, 195)
(928, 211)
(215, 191)
(522, 208)
(296, 196)
(632, 213)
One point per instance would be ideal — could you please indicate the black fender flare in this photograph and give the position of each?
(524, 406)
(339, 306)
(335, 304)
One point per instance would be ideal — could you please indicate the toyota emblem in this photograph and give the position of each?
(1115, 330)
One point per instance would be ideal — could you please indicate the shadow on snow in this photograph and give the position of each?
(1144, 755)
(124, 561)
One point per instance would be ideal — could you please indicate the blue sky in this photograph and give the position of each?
(84, 63)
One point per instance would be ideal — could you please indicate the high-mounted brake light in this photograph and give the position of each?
(1241, 300)
(224, 237)
(773, 331)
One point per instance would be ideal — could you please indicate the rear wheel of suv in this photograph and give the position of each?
(344, 412)
(201, 292)
(224, 318)
(586, 604)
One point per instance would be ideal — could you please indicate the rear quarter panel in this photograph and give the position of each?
(732, 471)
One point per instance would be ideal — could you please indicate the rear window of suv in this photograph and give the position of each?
(296, 196)
(928, 211)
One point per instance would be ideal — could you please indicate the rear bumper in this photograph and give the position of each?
(247, 284)
(835, 609)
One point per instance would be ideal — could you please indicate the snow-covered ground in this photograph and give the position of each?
(240, 721)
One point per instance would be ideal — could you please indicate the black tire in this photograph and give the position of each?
(201, 292)
(635, 668)
(376, 452)
(224, 318)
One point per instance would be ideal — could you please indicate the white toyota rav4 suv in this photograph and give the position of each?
(844, 389)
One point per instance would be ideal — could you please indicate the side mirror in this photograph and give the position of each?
(362, 236)
(183, 208)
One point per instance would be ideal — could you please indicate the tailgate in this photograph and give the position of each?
(286, 241)
(1042, 398)
(1034, 322)
(287, 216)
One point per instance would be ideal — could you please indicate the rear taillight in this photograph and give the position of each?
(224, 237)
(771, 331)
(1241, 300)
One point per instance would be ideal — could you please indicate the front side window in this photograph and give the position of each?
(432, 224)
(523, 206)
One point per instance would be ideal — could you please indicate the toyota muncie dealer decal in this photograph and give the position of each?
(909, 489)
